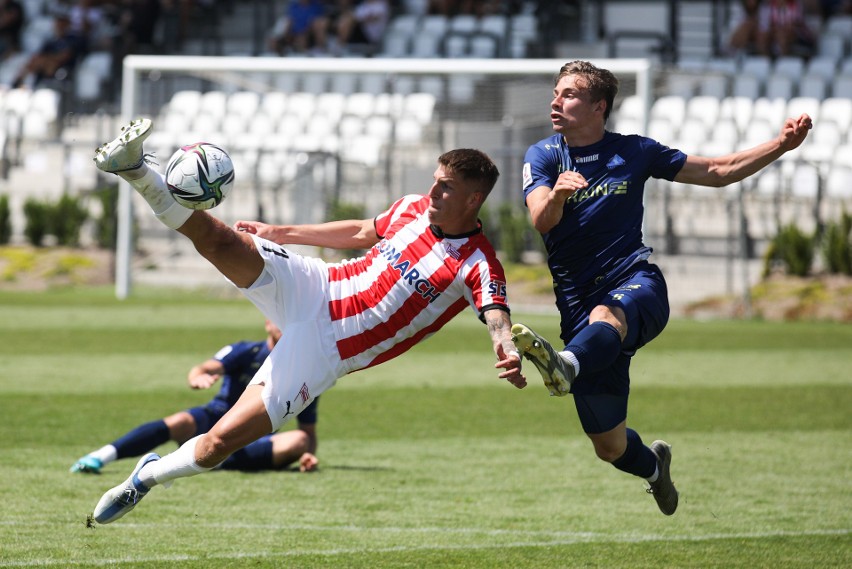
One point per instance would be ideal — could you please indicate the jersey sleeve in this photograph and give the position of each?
(540, 169)
(485, 283)
(384, 220)
(666, 162)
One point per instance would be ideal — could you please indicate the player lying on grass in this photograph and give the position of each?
(233, 367)
(584, 188)
(427, 260)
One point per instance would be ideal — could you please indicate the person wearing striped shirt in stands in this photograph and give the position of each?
(427, 260)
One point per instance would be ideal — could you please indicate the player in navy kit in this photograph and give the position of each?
(584, 189)
(233, 366)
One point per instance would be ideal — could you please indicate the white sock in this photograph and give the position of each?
(572, 359)
(653, 477)
(178, 464)
(105, 454)
(151, 185)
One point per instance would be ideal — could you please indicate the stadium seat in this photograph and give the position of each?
(213, 103)
(693, 132)
(790, 66)
(838, 184)
(359, 104)
(831, 45)
(840, 24)
(725, 131)
(703, 108)
(842, 156)
(670, 107)
(483, 46)
(714, 85)
(331, 104)
(466, 23)
(747, 85)
(420, 106)
(273, 105)
(780, 87)
(842, 86)
(631, 107)
(426, 45)
(825, 67)
(495, 24)
(813, 85)
(344, 83)
(737, 109)
(772, 110)
(243, 103)
(798, 105)
(757, 65)
(186, 102)
(408, 131)
(840, 111)
(301, 104)
(455, 47)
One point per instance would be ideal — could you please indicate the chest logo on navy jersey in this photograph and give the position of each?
(587, 159)
(609, 188)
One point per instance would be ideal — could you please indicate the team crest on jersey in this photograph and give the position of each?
(527, 174)
(304, 394)
(615, 162)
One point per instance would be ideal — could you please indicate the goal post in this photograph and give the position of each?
(493, 93)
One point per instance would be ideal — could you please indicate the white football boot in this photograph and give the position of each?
(124, 497)
(125, 152)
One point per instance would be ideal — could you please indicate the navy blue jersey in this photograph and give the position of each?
(600, 233)
(241, 361)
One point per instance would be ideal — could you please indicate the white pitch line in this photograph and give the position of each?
(585, 537)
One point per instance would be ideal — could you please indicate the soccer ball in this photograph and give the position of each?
(200, 175)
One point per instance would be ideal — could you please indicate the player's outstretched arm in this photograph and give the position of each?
(724, 170)
(500, 328)
(348, 234)
(205, 374)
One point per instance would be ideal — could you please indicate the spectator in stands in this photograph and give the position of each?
(304, 28)
(772, 28)
(11, 24)
(363, 25)
(747, 37)
(788, 31)
(137, 20)
(56, 58)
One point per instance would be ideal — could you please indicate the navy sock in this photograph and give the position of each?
(637, 459)
(596, 346)
(255, 456)
(142, 439)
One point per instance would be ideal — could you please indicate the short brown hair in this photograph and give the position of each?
(601, 83)
(471, 164)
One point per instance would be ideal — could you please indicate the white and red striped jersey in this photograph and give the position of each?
(409, 285)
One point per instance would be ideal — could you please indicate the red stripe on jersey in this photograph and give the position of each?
(442, 278)
(378, 289)
(409, 343)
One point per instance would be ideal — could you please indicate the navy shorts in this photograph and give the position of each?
(601, 397)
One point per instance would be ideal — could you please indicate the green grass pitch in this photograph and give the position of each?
(429, 460)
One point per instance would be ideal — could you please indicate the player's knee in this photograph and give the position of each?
(609, 453)
(612, 315)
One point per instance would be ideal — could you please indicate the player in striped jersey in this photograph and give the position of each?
(427, 260)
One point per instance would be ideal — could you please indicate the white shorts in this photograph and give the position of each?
(291, 292)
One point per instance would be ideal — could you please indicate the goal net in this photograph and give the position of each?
(313, 138)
